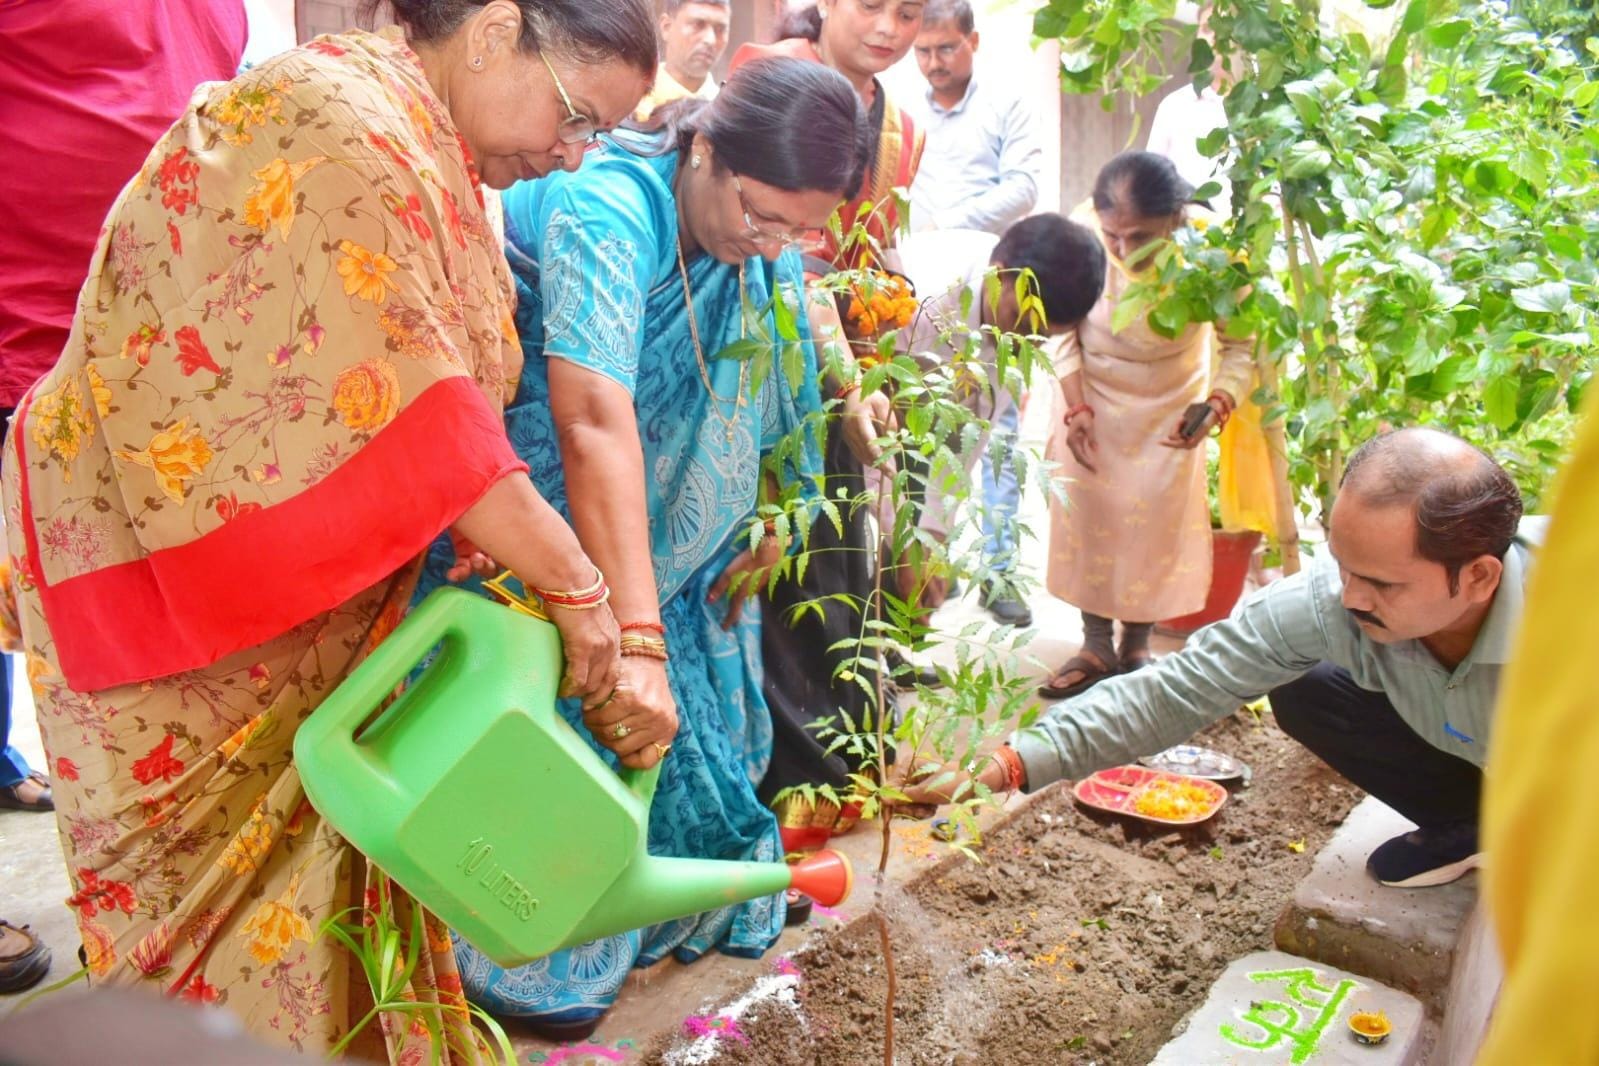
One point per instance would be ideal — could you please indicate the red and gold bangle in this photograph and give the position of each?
(653, 627)
(583, 599)
(644, 647)
(1011, 763)
(1076, 409)
(1222, 404)
(845, 389)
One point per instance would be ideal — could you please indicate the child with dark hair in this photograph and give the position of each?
(1065, 265)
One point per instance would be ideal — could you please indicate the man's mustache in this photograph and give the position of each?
(1366, 616)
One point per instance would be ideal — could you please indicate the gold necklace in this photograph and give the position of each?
(729, 424)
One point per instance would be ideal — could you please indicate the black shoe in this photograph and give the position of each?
(1006, 607)
(799, 907)
(913, 678)
(32, 793)
(24, 960)
(1426, 857)
(558, 1032)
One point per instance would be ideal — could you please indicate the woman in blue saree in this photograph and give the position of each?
(634, 274)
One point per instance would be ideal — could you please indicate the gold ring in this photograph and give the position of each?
(662, 749)
(620, 730)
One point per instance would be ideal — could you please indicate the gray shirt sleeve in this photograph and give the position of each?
(1020, 161)
(1273, 637)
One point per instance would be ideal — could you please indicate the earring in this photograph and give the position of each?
(477, 62)
(694, 161)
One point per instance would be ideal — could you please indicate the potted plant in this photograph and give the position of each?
(1231, 551)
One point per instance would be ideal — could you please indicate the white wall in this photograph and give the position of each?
(271, 29)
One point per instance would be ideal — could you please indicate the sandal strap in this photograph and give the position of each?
(1084, 662)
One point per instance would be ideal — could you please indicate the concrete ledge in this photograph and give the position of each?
(1403, 937)
(1272, 1009)
(1473, 991)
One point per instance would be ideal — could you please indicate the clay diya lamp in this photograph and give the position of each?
(1370, 1027)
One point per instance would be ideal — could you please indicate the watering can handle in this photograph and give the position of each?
(642, 782)
(436, 618)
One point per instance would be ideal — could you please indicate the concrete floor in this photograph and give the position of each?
(33, 877)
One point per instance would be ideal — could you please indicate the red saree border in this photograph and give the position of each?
(258, 576)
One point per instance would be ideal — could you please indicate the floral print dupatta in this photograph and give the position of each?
(285, 377)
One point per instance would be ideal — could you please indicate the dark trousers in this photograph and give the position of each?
(1358, 733)
(13, 767)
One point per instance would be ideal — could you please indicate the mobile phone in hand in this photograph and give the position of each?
(1194, 417)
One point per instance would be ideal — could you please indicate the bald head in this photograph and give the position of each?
(1464, 504)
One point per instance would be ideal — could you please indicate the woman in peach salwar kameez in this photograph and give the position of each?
(1132, 541)
(284, 379)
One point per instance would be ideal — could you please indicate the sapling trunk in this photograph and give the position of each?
(888, 965)
(886, 817)
(1312, 344)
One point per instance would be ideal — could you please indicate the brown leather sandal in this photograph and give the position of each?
(1091, 668)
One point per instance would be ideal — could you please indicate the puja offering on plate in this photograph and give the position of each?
(1151, 795)
(1173, 800)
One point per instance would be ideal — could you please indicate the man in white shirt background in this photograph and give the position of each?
(979, 171)
(1186, 116)
(693, 38)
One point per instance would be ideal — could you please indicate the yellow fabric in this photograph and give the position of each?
(1538, 820)
(1246, 494)
(667, 89)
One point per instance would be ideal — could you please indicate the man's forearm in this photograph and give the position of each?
(1273, 639)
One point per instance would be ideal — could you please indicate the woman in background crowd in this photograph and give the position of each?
(1132, 541)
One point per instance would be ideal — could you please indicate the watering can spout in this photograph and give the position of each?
(659, 889)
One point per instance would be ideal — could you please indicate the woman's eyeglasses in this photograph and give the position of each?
(754, 232)
(576, 127)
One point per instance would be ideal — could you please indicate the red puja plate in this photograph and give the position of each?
(1119, 789)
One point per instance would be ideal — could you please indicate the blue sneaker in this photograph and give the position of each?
(1427, 857)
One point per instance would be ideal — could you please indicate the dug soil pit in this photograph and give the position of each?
(1080, 938)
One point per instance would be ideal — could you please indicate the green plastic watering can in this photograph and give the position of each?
(478, 798)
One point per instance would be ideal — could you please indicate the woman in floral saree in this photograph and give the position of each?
(635, 274)
(285, 377)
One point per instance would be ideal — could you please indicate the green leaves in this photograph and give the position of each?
(1306, 159)
(1438, 187)
(1499, 402)
(1550, 297)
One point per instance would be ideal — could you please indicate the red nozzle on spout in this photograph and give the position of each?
(826, 877)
